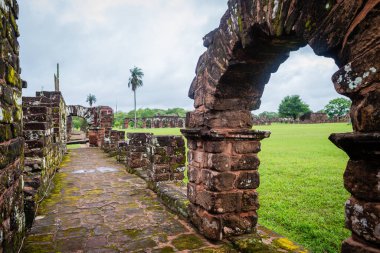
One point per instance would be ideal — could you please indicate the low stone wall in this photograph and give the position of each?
(137, 150)
(111, 141)
(167, 158)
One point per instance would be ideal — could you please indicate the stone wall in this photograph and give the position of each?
(137, 150)
(167, 158)
(12, 220)
(45, 144)
(112, 138)
(157, 122)
(251, 42)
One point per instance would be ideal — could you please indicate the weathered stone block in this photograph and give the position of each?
(219, 162)
(245, 162)
(248, 180)
(246, 147)
(215, 146)
(363, 219)
(215, 181)
(355, 246)
(361, 179)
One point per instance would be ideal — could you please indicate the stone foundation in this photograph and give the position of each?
(111, 141)
(167, 158)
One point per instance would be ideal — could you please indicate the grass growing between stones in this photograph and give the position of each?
(73, 146)
(301, 192)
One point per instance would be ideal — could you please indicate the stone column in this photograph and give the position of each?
(137, 150)
(223, 178)
(361, 179)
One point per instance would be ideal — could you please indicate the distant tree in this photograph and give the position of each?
(135, 81)
(292, 106)
(268, 115)
(338, 107)
(91, 99)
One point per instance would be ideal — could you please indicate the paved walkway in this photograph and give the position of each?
(98, 207)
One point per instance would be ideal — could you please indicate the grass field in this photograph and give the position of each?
(301, 191)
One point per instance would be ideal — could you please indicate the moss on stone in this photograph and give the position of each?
(132, 233)
(187, 242)
(285, 243)
(167, 249)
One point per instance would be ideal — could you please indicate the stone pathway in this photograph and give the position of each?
(96, 206)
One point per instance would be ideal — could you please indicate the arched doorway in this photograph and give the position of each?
(253, 39)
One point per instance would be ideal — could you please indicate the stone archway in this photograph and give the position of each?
(252, 40)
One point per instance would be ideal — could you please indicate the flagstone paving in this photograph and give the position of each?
(96, 206)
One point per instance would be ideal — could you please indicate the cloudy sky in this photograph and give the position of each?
(96, 42)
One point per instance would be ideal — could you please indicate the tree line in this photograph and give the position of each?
(293, 107)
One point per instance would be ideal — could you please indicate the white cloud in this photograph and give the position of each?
(98, 41)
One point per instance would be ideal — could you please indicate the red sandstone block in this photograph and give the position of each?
(219, 162)
(159, 177)
(194, 174)
(215, 181)
(361, 180)
(159, 169)
(177, 176)
(246, 147)
(209, 225)
(363, 218)
(248, 180)
(352, 246)
(215, 146)
(192, 144)
(245, 162)
(192, 190)
(218, 202)
(237, 224)
(249, 201)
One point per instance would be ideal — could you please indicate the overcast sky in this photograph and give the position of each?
(96, 42)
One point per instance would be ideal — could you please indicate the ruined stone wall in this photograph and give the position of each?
(253, 39)
(111, 141)
(40, 162)
(167, 158)
(12, 220)
(45, 144)
(137, 150)
(157, 122)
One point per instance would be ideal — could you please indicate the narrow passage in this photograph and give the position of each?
(96, 206)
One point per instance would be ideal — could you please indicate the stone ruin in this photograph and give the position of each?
(44, 130)
(251, 42)
(156, 158)
(157, 122)
(98, 119)
(253, 39)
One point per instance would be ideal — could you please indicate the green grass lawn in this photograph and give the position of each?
(73, 146)
(301, 191)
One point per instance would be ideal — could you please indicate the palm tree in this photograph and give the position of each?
(134, 82)
(91, 99)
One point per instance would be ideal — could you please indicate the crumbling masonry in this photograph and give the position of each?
(251, 42)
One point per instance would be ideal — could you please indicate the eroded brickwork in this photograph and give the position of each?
(112, 138)
(251, 42)
(137, 150)
(12, 220)
(167, 158)
(45, 144)
(157, 122)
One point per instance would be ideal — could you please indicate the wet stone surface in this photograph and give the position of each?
(96, 206)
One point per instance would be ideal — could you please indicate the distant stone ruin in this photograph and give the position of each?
(156, 122)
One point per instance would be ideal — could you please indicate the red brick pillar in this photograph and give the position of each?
(223, 179)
